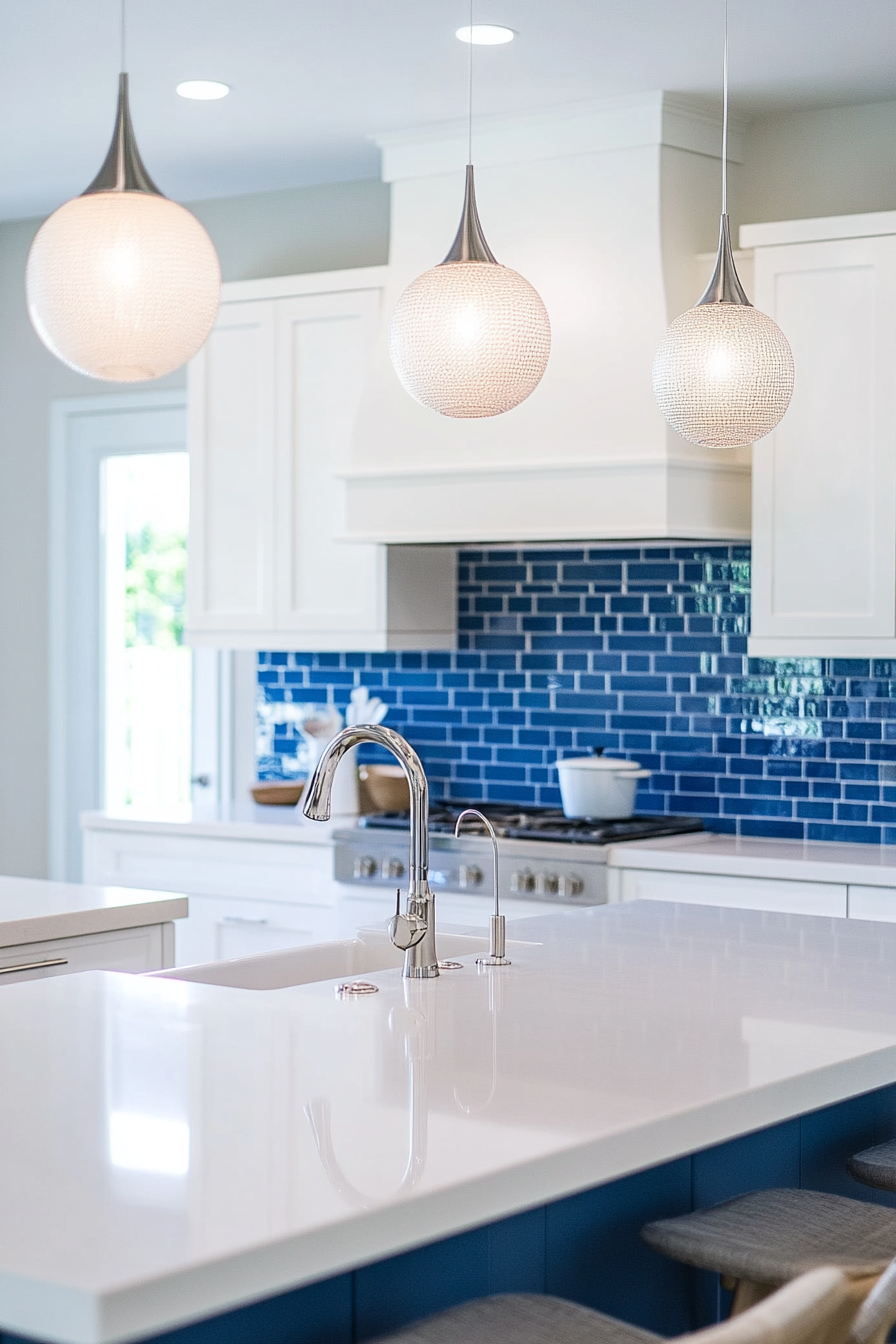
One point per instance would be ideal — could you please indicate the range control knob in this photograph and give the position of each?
(571, 886)
(547, 884)
(393, 868)
(469, 875)
(365, 866)
(522, 881)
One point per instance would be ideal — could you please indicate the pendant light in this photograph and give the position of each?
(121, 283)
(723, 372)
(470, 338)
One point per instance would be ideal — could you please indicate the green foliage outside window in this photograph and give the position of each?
(155, 588)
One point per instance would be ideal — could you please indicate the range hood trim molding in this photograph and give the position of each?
(661, 498)
(596, 126)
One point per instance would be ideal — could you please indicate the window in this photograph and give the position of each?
(147, 688)
(126, 694)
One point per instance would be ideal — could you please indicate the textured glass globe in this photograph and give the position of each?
(470, 339)
(122, 285)
(723, 375)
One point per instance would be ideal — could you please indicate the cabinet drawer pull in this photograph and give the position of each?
(242, 919)
(34, 965)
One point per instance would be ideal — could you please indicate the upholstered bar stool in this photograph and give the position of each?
(875, 1166)
(761, 1240)
(818, 1308)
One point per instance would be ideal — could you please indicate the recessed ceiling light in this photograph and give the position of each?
(485, 34)
(203, 90)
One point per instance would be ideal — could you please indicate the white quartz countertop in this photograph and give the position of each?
(235, 821)
(726, 855)
(32, 911)
(172, 1150)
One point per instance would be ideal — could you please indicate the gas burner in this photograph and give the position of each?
(549, 824)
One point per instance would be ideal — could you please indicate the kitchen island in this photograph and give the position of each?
(54, 928)
(295, 1166)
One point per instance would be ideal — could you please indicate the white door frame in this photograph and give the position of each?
(83, 431)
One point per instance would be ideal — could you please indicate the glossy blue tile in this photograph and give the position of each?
(682, 694)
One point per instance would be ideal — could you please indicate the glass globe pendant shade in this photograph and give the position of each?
(121, 283)
(723, 372)
(470, 338)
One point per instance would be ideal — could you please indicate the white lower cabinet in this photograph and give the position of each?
(872, 903)
(745, 893)
(208, 866)
(246, 896)
(149, 948)
(218, 930)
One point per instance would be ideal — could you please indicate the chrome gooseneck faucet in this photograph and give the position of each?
(414, 931)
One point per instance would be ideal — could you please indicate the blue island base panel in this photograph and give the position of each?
(585, 1248)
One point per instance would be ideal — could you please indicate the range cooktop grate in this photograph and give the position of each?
(540, 823)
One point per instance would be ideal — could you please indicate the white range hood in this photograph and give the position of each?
(603, 207)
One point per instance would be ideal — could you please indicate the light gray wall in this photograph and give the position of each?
(325, 228)
(273, 233)
(831, 161)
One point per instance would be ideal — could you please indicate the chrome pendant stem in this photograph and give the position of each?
(470, 244)
(123, 168)
(724, 286)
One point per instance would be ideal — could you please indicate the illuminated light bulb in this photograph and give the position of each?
(723, 372)
(470, 338)
(121, 283)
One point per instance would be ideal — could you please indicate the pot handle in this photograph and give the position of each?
(637, 774)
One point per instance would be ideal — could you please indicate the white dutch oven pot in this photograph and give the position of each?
(599, 786)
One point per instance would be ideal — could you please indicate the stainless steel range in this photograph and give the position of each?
(545, 857)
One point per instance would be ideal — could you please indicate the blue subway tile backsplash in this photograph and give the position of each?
(640, 650)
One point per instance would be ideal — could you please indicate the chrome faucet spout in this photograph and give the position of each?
(421, 961)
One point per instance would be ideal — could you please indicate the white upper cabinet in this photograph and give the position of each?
(231, 437)
(824, 483)
(273, 397)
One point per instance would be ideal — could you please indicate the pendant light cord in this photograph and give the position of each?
(469, 91)
(724, 117)
(123, 66)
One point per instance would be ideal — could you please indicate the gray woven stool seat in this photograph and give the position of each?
(875, 1166)
(522, 1318)
(771, 1236)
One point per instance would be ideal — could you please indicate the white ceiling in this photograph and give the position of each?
(312, 81)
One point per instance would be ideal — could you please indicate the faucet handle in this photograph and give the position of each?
(406, 930)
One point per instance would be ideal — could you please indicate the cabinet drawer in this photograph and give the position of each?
(746, 893)
(143, 949)
(872, 903)
(205, 866)
(220, 929)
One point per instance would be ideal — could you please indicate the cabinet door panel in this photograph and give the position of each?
(872, 903)
(744, 893)
(218, 930)
(824, 483)
(231, 434)
(324, 342)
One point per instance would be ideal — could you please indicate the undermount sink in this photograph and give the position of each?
(369, 951)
